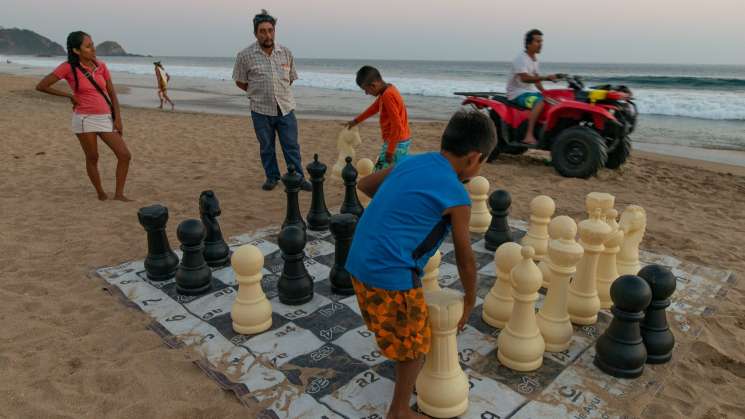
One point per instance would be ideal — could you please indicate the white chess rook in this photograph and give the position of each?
(634, 224)
(432, 273)
(542, 208)
(364, 167)
(563, 255)
(478, 189)
(607, 267)
(584, 303)
(521, 345)
(442, 386)
(498, 302)
(251, 311)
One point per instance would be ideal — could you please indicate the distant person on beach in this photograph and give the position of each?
(394, 120)
(265, 71)
(162, 78)
(95, 108)
(524, 85)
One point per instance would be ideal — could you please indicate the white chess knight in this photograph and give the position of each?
(432, 273)
(520, 343)
(478, 189)
(364, 168)
(607, 267)
(498, 302)
(633, 224)
(563, 255)
(346, 142)
(584, 303)
(542, 208)
(251, 311)
(442, 386)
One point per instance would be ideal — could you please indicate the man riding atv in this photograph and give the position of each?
(524, 79)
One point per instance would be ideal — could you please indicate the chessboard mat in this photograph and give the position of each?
(318, 360)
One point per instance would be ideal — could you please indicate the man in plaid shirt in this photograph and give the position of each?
(265, 71)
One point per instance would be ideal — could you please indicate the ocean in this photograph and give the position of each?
(698, 105)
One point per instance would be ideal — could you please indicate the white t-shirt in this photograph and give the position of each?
(522, 64)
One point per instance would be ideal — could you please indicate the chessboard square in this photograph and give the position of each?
(265, 245)
(477, 322)
(352, 303)
(446, 247)
(331, 321)
(318, 247)
(489, 399)
(331, 367)
(170, 290)
(113, 273)
(317, 270)
(324, 288)
(279, 346)
(366, 395)
(226, 275)
(448, 274)
(302, 310)
(480, 246)
(213, 304)
(224, 325)
(269, 285)
(318, 234)
(458, 286)
(577, 345)
(360, 344)
(289, 403)
(484, 284)
(482, 259)
(473, 345)
(490, 269)
(526, 383)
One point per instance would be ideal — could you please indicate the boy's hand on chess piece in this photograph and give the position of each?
(468, 303)
(351, 124)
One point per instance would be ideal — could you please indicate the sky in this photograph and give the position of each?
(630, 31)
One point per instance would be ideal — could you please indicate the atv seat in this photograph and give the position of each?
(503, 99)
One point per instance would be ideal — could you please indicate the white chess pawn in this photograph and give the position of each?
(498, 302)
(432, 273)
(542, 208)
(607, 268)
(364, 167)
(251, 311)
(442, 386)
(584, 303)
(478, 188)
(346, 141)
(634, 224)
(602, 200)
(521, 345)
(563, 255)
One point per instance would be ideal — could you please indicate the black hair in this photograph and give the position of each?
(262, 17)
(530, 35)
(367, 74)
(74, 41)
(467, 131)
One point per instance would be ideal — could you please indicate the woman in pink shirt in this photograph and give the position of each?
(95, 108)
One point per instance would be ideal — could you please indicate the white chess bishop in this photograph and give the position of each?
(520, 343)
(542, 208)
(364, 168)
(478, 189)
(563, 255)
(251, 311)
(498, 302)
(432, 273)
(442, 386)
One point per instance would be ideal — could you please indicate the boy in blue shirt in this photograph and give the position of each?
(417, 203)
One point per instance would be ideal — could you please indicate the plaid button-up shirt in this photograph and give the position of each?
(269, 78)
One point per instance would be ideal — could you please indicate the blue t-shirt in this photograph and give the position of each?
(403, 226)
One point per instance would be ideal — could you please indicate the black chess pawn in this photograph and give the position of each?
(656, 334)
(342, 227)
(161, 262)
(193, 276)
(295, 285)
(216, 251)
(351, 204)
(292, 181)
(620, 351)
(318, 216)
(499, 230)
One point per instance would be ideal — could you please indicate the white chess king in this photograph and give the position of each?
(251, 312)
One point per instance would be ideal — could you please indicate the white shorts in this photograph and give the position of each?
(82, 123)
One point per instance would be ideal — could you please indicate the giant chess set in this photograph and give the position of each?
(571, 319)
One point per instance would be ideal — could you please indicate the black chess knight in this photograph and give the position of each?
(161, 262)
(499, 230)
(216, 251)
(342, 227)
(351, 204)
(656, 334)
(292, 181)
(295, 285)
(318, 215)
(193, 276)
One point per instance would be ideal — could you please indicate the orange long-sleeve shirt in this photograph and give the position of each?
(394, 121)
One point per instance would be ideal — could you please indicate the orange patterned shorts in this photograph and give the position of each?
(399, 319)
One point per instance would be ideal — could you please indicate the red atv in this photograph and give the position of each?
(584, 129)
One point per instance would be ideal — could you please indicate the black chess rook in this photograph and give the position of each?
(342, 227)
(499, 230)
(620, 351)
(351, 204)
(656, 334)
(292, 181)
(161, 262)
(318, 215)
(216, 251)
(295, 285)
(193, 276)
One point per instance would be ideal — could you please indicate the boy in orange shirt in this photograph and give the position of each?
(394, 121)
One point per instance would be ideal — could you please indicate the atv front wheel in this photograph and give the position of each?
(579, 152)
(618, 156)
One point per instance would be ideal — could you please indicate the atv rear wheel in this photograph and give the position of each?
(579, 152)
(618, 156)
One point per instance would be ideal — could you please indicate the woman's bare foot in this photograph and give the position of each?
(122, 198)
(529, 139)
(102, 196)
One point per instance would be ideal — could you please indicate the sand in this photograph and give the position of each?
(68, 349)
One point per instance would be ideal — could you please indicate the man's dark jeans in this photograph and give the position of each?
(286, 126)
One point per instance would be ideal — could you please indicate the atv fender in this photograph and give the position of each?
(482, 102)
(575, 110)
